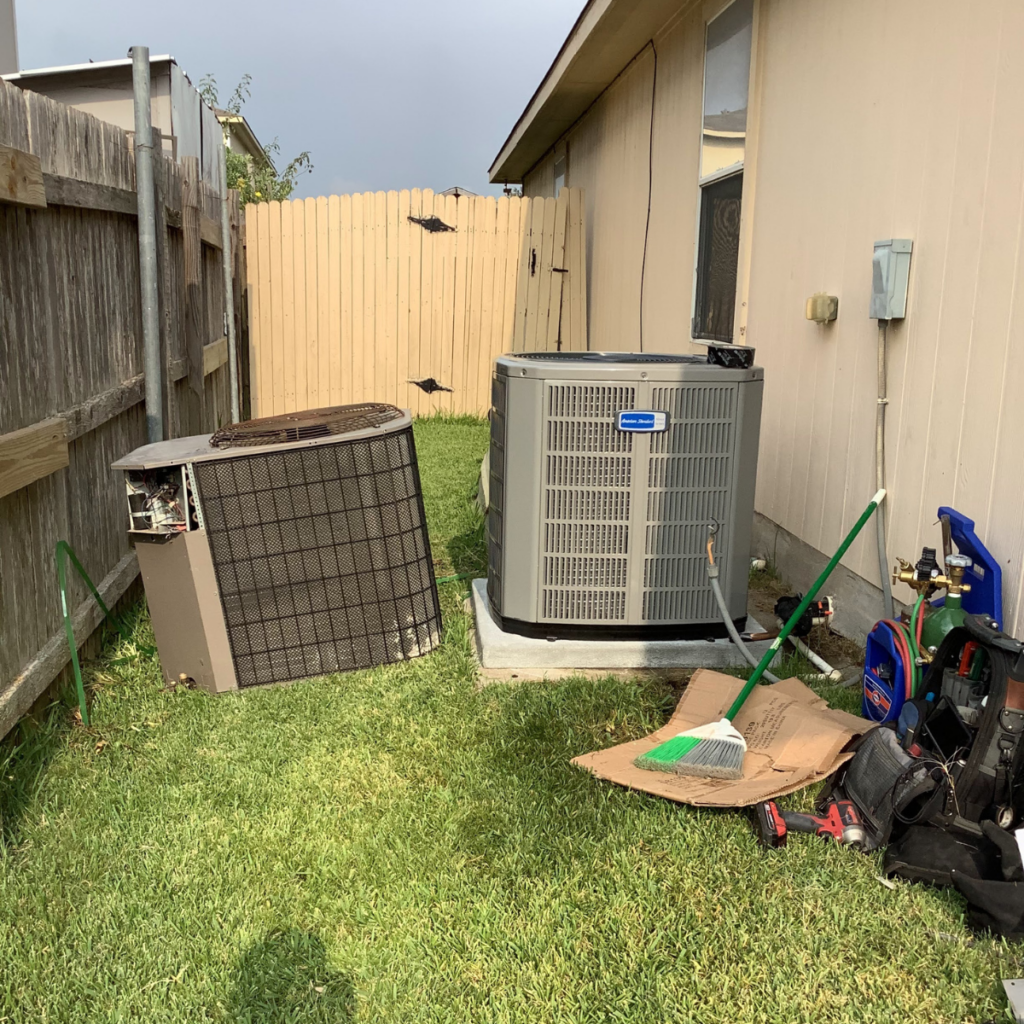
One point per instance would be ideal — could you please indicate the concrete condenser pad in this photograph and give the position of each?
(526, 655)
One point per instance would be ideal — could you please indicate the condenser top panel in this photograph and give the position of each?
(181, 450)
(652, 366)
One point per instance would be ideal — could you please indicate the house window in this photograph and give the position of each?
(723, 141)
(561, 157)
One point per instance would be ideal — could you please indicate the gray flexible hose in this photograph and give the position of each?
(731, 626)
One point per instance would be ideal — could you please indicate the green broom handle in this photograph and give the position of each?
(804, 605)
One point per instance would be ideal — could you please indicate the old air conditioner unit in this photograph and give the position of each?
(285, 547)
(606, 470)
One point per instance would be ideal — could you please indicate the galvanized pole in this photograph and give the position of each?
(147, 245)
(229, 293)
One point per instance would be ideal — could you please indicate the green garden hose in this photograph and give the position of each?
(914, 645)
(61, 555)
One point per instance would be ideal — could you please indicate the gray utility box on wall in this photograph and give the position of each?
(607, 470)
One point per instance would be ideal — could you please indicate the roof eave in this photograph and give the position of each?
(607, 35)
(252, 143)
(98, 65)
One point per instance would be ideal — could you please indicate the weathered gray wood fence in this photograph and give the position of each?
(71, 380)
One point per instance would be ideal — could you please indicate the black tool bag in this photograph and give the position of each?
(961, 834)
(883, 781)
(980, 779)
(947, 775)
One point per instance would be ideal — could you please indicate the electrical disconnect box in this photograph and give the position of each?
(890, 274)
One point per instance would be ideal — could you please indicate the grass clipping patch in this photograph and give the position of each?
(793, 737)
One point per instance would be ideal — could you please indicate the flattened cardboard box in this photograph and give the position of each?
(794, 739)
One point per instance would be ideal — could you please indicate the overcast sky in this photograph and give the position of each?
(385, 94)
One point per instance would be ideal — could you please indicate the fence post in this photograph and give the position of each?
(229, 297)
(193, 257)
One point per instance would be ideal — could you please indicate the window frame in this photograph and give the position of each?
(734, 170)
(704, 227)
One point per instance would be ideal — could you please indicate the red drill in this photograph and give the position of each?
(841, 822)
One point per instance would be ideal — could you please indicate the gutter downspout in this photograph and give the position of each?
(147, 244)
(229, 290)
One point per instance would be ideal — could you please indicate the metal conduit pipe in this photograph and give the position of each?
(151, 362)
(883, 559)
(229, 290)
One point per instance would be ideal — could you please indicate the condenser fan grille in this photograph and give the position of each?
(306, 425)
(321, 556)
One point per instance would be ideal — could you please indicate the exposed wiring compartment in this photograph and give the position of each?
(161, 501)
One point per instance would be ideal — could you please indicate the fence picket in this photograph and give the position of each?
(350, 300)
(322, 305)
(415, 270)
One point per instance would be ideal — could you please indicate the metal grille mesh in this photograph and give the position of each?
(322, 557)
(306, 425)
(688, 484)
(588, 479)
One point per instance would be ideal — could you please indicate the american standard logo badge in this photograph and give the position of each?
(642, 422)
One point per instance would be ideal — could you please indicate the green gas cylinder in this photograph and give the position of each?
(939, 621)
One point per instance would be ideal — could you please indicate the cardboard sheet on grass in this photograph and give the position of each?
(794, 739)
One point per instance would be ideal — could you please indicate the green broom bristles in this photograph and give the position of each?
(663, 757)
(714, 751)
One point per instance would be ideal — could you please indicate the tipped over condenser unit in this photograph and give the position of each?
(606, 471)
(286, 547)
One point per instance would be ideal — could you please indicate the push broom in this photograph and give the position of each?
(716, 751)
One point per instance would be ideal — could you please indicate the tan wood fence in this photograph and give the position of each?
(352, 297)
(71, 373)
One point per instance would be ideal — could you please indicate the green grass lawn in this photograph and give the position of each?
(400, 845)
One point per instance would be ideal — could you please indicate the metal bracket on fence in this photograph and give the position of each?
(431, 223)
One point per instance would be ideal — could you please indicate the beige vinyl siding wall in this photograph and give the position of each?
(540, 182)
(922, 138)
(869, 120)
(609, 157)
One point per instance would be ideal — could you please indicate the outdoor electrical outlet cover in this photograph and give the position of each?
(822, 308)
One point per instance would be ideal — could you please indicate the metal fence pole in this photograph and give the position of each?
(229, 293)
(147, 244)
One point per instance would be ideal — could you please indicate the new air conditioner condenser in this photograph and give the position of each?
(607, 469)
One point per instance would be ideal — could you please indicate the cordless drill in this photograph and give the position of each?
(841, 822)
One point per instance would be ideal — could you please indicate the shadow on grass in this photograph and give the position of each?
(25, 756)
(28, 750)
(285, 979)
(468, 551)
(530, 806)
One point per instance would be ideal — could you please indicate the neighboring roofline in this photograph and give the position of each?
(246, 129)
(91, 66)
(607, 35)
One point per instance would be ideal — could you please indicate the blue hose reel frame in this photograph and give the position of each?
(884, 697)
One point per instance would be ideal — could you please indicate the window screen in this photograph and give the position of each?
(717, 257)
